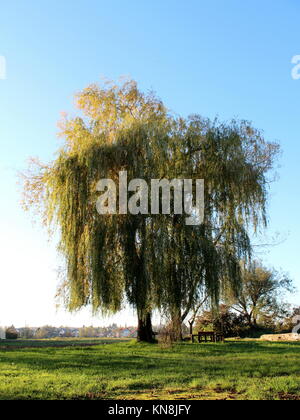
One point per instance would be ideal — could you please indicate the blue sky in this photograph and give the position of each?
(226, 58)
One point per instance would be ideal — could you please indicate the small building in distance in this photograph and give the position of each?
(2, 333)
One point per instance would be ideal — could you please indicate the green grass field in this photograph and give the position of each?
(112, 369)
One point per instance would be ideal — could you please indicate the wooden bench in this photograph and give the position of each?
(208, 336)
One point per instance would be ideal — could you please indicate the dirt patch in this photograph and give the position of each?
(281, 337)
(288, 397)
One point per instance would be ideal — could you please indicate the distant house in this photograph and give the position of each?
(125, 332)
(62, 332)
(133, 333)
(2, 333)
(75, 332)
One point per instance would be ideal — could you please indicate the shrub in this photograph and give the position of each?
(11, 333)
(226, 322)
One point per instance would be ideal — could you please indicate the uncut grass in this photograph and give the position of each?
(234, 370)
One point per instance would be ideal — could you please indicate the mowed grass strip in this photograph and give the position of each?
(129, 370)
(58, 342)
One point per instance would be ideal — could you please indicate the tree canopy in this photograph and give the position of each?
(150, 261)
(262, 294)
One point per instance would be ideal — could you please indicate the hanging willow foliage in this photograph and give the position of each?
(150, 261)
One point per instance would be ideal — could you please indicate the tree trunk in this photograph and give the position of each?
(249, 319)
(191, 322)
(176, 325)
(145, 332)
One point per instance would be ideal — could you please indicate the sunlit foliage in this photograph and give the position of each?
(150, 261)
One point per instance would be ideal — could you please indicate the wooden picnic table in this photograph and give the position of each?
(208, 336)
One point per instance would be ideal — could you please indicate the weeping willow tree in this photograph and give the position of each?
(149, 261)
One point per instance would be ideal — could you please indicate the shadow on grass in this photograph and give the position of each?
(131, 357)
